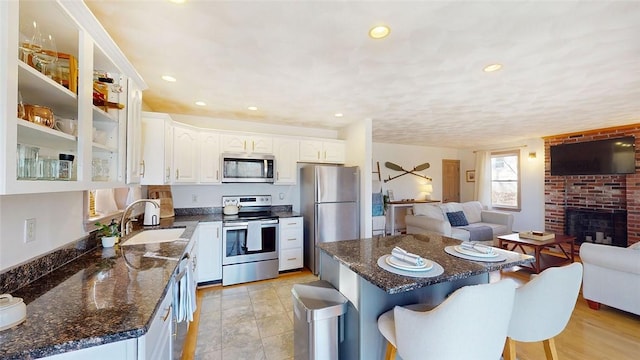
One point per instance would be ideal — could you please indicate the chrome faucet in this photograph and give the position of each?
(125, 225)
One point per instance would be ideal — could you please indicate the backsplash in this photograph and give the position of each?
(218, 210)
(21, 275)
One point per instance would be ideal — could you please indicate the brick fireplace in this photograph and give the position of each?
(586, 225)
(615, 195)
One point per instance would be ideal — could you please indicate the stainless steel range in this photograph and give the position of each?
(249, 240)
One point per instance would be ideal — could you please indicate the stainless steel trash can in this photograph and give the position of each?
(317, 307)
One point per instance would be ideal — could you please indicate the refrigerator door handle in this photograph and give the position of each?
(318, 187)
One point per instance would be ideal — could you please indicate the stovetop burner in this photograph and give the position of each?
(260, 215)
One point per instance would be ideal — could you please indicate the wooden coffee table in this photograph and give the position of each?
(542, 261)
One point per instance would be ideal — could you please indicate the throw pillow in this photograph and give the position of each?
(457, 218)
(472, 211)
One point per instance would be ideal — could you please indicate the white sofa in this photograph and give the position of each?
(433, 218)
(611, 276)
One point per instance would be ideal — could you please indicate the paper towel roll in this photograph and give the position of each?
(152, 213)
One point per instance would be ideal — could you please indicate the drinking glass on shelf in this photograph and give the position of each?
(32, 43)
(21, 112)
(48, 55)
(96, 170)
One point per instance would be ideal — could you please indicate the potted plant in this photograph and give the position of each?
(110, 233)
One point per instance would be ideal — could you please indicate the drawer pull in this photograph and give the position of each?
(294, 239)
(292, 224)
(164, 318)
(291, 259)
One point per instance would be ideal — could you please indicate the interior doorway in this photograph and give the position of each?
(450, 181)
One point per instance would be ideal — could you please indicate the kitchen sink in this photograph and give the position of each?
(154, 237)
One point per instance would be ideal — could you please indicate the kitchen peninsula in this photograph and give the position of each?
(351, 267)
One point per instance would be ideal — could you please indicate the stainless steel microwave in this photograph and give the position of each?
(247, 168)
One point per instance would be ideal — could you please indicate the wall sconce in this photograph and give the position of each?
(532, 155)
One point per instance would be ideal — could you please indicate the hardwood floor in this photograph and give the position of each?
(607, 334)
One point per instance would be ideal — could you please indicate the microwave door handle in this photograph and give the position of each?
(265, 168)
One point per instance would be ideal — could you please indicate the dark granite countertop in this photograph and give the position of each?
(361, 256)
(104, 296)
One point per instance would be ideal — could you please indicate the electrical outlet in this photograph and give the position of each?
(194, 198)
(30, 230)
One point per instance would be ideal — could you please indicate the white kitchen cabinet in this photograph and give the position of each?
(157, 148)
(156, 343)
(209, 252)
(122, 350)
(209, 157)
(100, 154)
(135, 162)
(246, 143)
(322, 151)
(291, 243)
(185, 154)
(286, 154)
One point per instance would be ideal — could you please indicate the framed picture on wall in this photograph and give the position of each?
(390, 195)
(471, 176)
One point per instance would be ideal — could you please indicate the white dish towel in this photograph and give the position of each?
(184, 293)
(254, 236)
(406, 256)
(481, 248)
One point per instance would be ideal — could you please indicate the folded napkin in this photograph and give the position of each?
(406, 256)
(481, 248)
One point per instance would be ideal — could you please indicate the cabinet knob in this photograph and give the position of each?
(244, 145)
(142, 168)
(177, 174)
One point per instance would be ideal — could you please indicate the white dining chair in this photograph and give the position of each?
(542, 309)
(471, 323)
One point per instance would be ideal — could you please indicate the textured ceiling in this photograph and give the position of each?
(568, 65)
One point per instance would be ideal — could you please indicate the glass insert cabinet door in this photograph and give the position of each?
(66, 103)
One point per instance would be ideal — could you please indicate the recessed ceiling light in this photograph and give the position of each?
(177, 1)
(379, 32)
(253, 108)
(492, 67)
(201, 103)
(337, 114)
(168, 78)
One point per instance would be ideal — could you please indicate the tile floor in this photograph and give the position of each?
(253, 321)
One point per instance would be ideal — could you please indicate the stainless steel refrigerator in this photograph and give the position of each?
(329, 201)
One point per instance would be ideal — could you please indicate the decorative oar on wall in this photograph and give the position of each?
(396, 167)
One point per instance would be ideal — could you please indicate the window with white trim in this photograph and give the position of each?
(505, 179)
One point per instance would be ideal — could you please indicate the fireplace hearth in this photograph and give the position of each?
(585, 224)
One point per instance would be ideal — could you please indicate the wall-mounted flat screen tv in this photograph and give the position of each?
(610, 156)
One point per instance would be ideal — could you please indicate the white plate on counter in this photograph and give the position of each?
(403, 265)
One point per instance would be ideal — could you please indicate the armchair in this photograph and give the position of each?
(611, 276)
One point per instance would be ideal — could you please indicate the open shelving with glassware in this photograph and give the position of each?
(61, 120)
